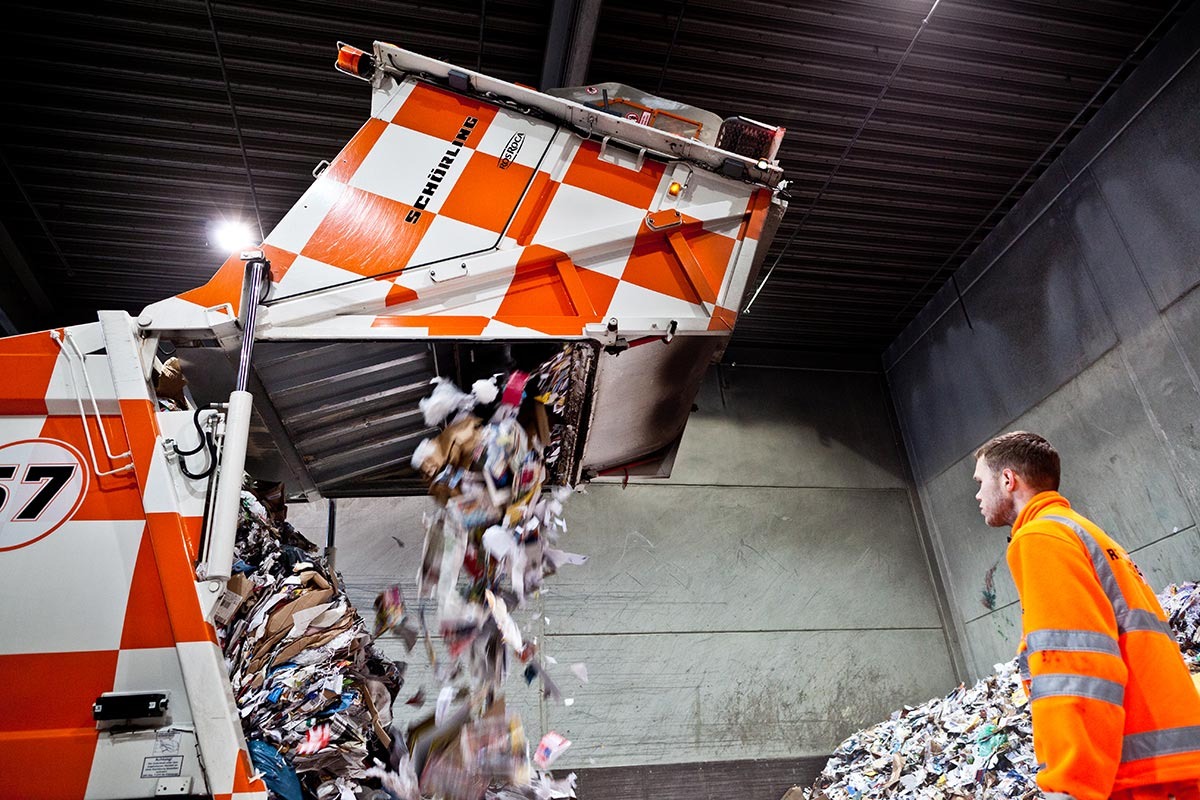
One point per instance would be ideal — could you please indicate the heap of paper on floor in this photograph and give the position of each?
(976, 742)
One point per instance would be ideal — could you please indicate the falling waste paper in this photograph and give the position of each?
(315, 695)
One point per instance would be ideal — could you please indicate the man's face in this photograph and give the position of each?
(996, 503)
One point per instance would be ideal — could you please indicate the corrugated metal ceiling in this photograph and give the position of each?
(986, 89)
(119, 144)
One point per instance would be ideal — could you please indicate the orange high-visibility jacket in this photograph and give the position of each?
(1113, 704)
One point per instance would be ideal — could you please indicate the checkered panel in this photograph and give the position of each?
(343, 168)
(49, 746)
(662, 269)
(301, 222)
(367, 234)
(595, 206)
(573, 209)
(387, 98)
(525, 144)
(704, 188)
(448, 237)
(403, 161)
(633, 301)
(68, 591)
(117, 763)
(452, 315)
(436, 177)
(487, 195)
(307, 274)
(614, 174)
(533, 208)
(14, 429)
(27, 363)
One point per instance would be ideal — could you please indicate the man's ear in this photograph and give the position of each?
(1008, 479)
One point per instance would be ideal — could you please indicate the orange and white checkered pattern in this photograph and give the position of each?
(107, 600)
(447, 216)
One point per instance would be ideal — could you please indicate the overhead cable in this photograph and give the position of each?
(237, 127)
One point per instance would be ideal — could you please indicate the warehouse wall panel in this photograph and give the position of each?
(1150, 179)
(687, 557)
(1008, 230)
(1182, 322)
(991, 636)
(976, 370)
(768, 599)
(1107, 370)
(1152, 345)
(719, 696)
(749, 420)
(1172, 559)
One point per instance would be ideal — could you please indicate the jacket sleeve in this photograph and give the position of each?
(1077, 674)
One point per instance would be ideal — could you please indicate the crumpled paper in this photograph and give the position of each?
(1181, 604)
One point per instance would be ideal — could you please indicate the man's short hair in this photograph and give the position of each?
(1025, 453)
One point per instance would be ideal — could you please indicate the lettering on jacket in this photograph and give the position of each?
(1120, 555)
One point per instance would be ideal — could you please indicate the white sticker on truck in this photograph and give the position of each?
(162, 766)
(42, 483)
(167, 742)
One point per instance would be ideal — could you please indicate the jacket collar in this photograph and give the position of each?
(1039, 503)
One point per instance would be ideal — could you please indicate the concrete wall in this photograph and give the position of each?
(1080, 319)
(769, 599)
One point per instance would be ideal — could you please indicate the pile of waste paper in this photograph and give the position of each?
(314, 694)
(973, 739)
(975, 742)
(1181, 603)
(489, 545)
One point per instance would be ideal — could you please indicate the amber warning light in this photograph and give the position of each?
(353, 61)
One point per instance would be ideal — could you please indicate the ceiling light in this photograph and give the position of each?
(230, 235)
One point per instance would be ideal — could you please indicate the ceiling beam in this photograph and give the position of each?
(569, 43)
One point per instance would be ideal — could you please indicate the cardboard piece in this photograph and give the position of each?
(237, 590)
(456, 445)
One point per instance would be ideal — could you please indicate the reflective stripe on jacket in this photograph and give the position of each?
(1113, 704)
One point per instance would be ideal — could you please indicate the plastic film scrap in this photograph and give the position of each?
(976, 742)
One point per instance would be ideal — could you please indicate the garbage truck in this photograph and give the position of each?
(469, 222)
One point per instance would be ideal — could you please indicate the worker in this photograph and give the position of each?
(1115, 712)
